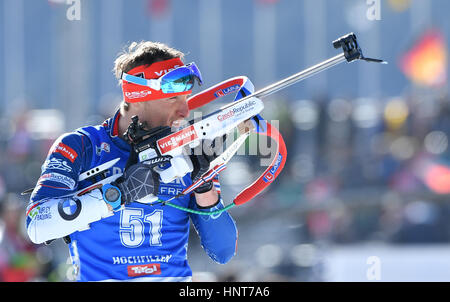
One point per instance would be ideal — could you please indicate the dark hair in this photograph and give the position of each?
(143, 53)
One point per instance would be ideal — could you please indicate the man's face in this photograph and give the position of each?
(163, 112)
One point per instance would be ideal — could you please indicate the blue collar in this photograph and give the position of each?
(112, 128)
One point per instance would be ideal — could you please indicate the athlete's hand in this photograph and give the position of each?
(201, 159)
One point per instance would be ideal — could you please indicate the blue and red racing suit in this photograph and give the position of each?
(140, 242)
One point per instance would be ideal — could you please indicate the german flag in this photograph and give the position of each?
(425, 63)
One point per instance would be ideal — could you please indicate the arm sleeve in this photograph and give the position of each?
(58, 217)
(53, 212)
(218, 233)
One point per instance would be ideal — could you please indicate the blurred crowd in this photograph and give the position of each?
(357, 170)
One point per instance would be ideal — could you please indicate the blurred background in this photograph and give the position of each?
(364, 193)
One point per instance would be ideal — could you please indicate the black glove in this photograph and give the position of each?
(201, 158)
(205, 187)
(138, 181)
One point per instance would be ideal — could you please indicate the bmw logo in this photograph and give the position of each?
(69, 209)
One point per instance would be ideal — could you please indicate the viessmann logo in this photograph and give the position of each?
(237, 110)
(144, 269)
(65, 151)
(177, 139)
(164, 71)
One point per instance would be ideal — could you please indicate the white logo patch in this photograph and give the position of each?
(56, 164)
(56, 177)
